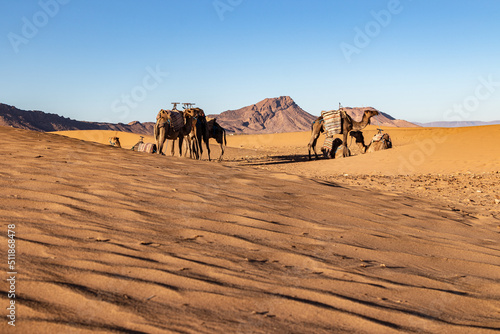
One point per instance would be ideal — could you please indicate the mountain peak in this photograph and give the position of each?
(278, 114)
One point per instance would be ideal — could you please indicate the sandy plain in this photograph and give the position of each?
(111, 240)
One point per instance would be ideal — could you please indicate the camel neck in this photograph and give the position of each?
(361, 125)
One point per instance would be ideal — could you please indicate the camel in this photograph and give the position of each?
(348, 124)
(199, 133)
(218, 133)
(164, 129)
(115, 141)
(379, 142)
(334, 152)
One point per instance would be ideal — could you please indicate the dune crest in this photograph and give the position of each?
(112, 240)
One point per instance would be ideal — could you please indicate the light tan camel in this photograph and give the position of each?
(115, 141)
(348, 124)
(164, 129)
(378, 142)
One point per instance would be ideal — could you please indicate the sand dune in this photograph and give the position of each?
(111, 240)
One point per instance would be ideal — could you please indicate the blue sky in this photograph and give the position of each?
(123, 60)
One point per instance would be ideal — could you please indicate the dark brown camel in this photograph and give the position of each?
(218, 133)
(348, 124)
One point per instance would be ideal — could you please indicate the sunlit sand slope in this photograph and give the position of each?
(111, 240)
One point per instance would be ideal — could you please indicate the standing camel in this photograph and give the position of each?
(165, 129)
(201, 134)
(348, 124)
(218, 133)
(198, 131)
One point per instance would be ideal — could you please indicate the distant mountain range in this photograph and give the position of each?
(272, 115)
(456, 124)
(41, 121)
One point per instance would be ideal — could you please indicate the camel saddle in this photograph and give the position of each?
(332, 122)
(174, 118)
(377, 137)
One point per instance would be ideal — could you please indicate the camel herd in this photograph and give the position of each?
(192, 126)
(338, 148)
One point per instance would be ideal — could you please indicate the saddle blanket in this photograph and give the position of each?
(377, 137)
(328, 143)
(333, 122)
(147, 147)
(177, 120)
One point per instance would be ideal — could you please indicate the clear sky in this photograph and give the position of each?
(123, 60)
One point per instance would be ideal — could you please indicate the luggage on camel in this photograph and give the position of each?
(333, 122)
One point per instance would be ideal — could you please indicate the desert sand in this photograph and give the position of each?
(111, 240)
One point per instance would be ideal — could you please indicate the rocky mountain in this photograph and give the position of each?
(272, 115)
(457, 124)
(41, 121)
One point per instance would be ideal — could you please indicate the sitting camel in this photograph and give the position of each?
(115, 141)
(348, 124)
(336, 151)
(381, 141)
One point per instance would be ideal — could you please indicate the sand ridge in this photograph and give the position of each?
(111, 240)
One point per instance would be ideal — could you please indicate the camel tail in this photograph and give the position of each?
(225, 141)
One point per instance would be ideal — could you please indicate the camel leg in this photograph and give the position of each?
(181, 138)
(221, 148)
(173, 147)
(208, 146)
(160, 141)
(200, 148)
(188, 147)
(346, 149)
(157, 134)
(312, 145)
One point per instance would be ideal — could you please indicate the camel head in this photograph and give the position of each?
(370, 113)
(163, 114)
(189, 112)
